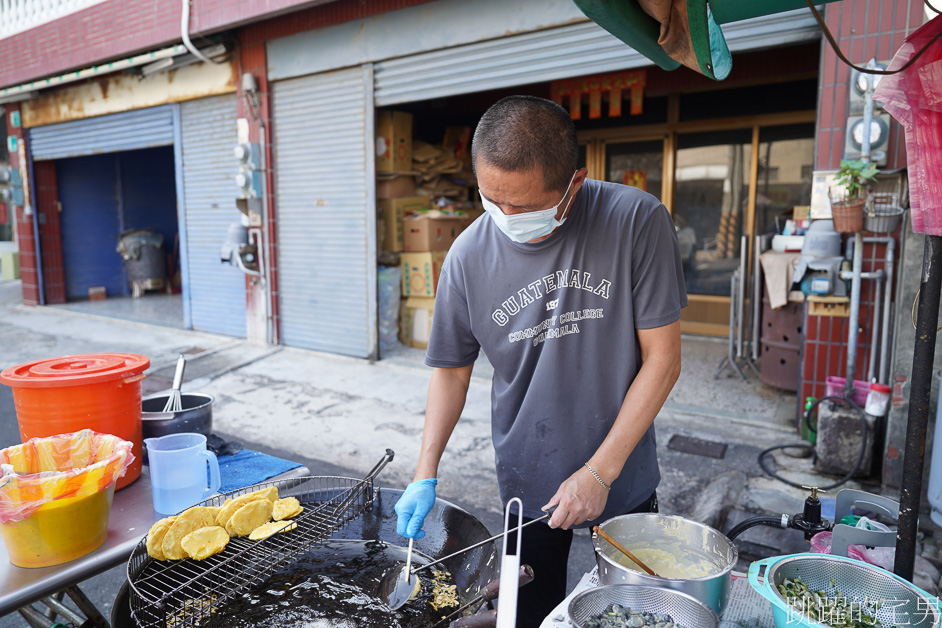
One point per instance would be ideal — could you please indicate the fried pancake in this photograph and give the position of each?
(188, 521)
(267, 529)
(231, 505)
(205, 542)
(155, 537)
(286, 508)
(249, 517)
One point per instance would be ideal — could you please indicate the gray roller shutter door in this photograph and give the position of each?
(551, 54)
(129, 130)
(216, 290)
(326, 211)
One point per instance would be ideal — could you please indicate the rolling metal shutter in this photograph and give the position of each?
(327, 211)
(90, 225)
(551, 54)
(128, 130)
(217, 291)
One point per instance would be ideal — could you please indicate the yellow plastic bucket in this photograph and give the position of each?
(59, 531)
(55, 495)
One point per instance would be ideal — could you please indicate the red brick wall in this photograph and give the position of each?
(50, 232)
(24, 226)
(864, 29)
(121, 28)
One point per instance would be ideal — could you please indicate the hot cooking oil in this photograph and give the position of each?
(334, 585)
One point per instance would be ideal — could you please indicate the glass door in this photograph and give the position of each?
(783, 180)
(710, 208)
(636, 163)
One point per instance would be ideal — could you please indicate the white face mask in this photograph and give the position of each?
(528, 225)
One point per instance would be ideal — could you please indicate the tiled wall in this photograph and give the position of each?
(863, 29)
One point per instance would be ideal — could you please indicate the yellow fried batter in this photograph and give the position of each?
(267, 529)
(231, 505)
(249, 517)
(270, 493)
(155, 537)
(205, 542)
(286, 508)
(188, 521)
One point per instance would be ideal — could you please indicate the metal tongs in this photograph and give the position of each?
(396, 587)
(513, 575)
(509, 566)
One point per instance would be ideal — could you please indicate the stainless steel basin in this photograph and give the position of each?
(684, 537)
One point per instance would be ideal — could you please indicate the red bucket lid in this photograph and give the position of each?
(74, 370)
(883, 388)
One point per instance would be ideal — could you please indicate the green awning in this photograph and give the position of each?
(672, 33)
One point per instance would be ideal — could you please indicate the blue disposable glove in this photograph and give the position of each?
(416, 502)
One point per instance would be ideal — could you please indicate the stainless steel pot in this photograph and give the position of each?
(448, 528)
(196, 415)
(683, 537)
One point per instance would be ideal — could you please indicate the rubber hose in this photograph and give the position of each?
(742, 526)
(814, 455)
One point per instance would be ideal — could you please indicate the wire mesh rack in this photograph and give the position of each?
(173, 594)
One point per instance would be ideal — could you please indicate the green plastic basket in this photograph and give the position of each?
(902, 603)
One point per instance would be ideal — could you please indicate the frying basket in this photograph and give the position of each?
(685, 610)
(903, 604)
(172, 594)
(882, 218)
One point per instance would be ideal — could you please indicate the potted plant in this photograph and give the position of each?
(847, 209)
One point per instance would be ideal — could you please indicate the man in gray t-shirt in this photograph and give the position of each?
(573, 288)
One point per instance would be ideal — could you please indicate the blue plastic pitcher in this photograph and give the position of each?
(178, 476)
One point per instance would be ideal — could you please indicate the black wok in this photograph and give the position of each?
(448, 529)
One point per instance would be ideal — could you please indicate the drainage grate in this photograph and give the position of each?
(697, 446)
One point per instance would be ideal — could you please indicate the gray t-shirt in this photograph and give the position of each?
(557, 320)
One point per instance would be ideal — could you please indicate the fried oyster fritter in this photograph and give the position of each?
(188, 521)
(205, 542)
(249, 517)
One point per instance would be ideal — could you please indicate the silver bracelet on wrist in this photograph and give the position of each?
(597, 476)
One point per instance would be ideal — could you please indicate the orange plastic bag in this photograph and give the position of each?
(42, 470)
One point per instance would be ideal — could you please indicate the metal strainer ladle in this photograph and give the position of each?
(395, 587)
(400, 585)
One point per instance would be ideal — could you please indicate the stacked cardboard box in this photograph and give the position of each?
(427, 238)
(425, 196)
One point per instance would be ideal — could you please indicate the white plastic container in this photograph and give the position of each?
(878, 399)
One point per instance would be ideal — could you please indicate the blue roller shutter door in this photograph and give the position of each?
(89, 223)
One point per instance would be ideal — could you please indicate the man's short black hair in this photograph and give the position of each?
(520, 133)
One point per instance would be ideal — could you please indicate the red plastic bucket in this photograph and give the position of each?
(99, 391)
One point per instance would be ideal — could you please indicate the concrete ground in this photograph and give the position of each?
(337, 415)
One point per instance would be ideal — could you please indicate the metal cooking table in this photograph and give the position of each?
(132, 514)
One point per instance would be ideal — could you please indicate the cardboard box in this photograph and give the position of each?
(415, 321)
(420, 272)
(392, 211)
(433, 231)
(380, 234)
(97, 293)
(395, 187)
(458, 140)
(393, 141)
